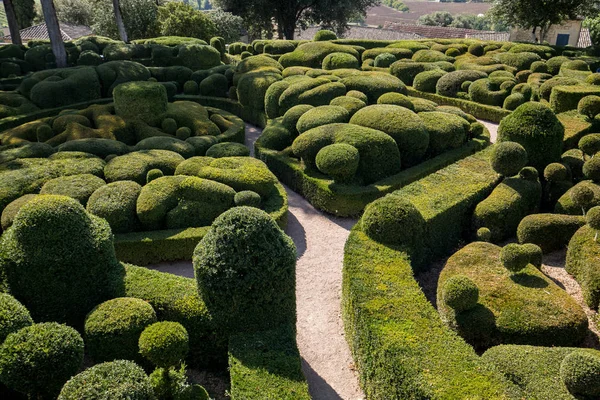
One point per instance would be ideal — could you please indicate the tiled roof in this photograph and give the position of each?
(363, 32)
(435, 32)
(585, 40)
(40, 32)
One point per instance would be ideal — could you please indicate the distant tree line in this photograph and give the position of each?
(465, 21)
(395, 4)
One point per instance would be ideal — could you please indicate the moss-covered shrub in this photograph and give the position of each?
(260, 252)
(374, 84)
(116, 203)
(53, 237)
(338, 160)
(507, 158)
(589, 106)
(384, 60)
(514, 257)
(358, 94)
(339, 60)
(396, 99)
(61, 87)
(112, 329)
(118, 380)
(13, 316)
(476, 49)
(446, 131)
(403, 125)
(96, 146)
(312, 54)
(486, 91)
(322, 115)
(79, 187)
(143, 100)
(580, 372)
(406, 70)
(166, 143)
(227, 149)
(426, 81)
(520, 61)
(215, 85)
(323, 35)
(165, 343)
(450, 84)
(460, 293)
(591, 169)
(38, 359)
(135, 166)
(247, 198)
(549, 231)
(351, 104)
(535, 127)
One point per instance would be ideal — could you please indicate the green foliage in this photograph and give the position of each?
(489, 92)
(339, 60)
(589, 106)
(52, 237)
(590, 144)
(185, 149)
(591, 169)
(549, 231)
(580, 371)
(135, 166)
(143, 100)
(13, 316)
(260, 252)
(484, 235)
(116, 203)
(514, 257)
(112, 329)
(61, 87)
(406, 71)
(460, 293)
(507, 158)
(535, 127)
(215, 85)
(140, 18)
(592, 218)
(374, 84)
(247, 198)
(513, 101)
(154, 174)
(227, 149)
(79, 187)
(426, 81)
(312, 54)
(351, 104)
(450, 84)
(582, 262)
(165, 344)
(565, 98)
(384, 60)
(118, 380)
(181, 19)
(323, 35)
(446, 131)
(322, 115)
(338, 160)
(38, 359)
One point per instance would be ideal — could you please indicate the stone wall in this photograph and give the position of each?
(571, 28)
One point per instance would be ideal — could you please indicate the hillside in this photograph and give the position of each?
(381, 14)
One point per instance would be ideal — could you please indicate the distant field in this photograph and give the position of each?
(381, 14)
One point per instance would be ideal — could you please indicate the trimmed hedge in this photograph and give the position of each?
(549, 231)
(566, 98)
(13, 316)
(582, 262)
(521, 315)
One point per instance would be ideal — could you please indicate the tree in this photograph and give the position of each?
(288, 14)
(56, 41)
(593, 24)
(140, 18)
(540, 14)
(13, 25)
(78, 12)
(25, 12)
(438, 18)
(119, 21)
(180, 19)
(227, 25)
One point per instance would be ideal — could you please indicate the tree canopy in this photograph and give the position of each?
(540, 14)
(289, 14)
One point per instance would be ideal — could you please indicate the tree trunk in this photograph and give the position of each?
(119, 20)
(533, 35)
(13, 25)
(58, 47)
(288, 27)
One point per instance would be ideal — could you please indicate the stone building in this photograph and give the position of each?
(566, 34)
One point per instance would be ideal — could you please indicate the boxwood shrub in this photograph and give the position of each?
(13, 316)
(549, 231)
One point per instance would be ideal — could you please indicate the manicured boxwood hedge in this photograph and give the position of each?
(400, 345)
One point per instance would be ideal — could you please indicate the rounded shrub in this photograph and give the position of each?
(215, 85)
(38, 359)
(169, 125)
(339, 60)
(245, 269)
(79, 187)
(393, 220)
(590, 144)
(44, 132)
(556, 172)
(13, 316)
(323, 35)
(514, 257)
(183, 133)
(51, 238)
(144, 100)
(374, 84)
(450, 84)
(190, 88)
(535, 127)
(384, 60)
(591, 169)
(582, 196)
(321, 115)
(227, 149)
(534, 252)
(116, 380)
(154, 174)
(508, 158)
(484, 234)
(592, 218)
(426, 81)
(589, 106)
(465, 86)
(460, 293)
(338, 160)
(351, 104)
(359, 95)
(513, 101)
(165, 344)
(116, 203)
(580, 372)
(247, 198)
(396, 99)
(476, 49)
(446, 131)
(113, 328)
(291, 117)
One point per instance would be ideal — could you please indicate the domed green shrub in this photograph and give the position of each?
(450, 84)
(10, 211)
(535, 127)
(183, 133)
(589, 106)
(476, 49)
(79, 187)
(514, 257)
(247, 198)
(116, 203)
(549, 231)
(227, 149)
(351, 104)
(52, 238)
(215, 85)
(520, 61)
(394, 220)
(384, 60)
(169, 125)
(143, 100)
(580, 372)
(446, 131)
(430, 56)
(245, 269)
(112, 329)
(165, 344)
(486, 91)
(322, 115)
(407, 70)
(534, 253)
(154, 174)
(272, 96)
(291, 117)
(592, 218)
(135, 166)
(374, 84)
(312, 54)
(190, 88)
(166, 143)
(555, 172)
(117, 380)
(358, 94)
(508, 158)
(13, 316)
(97, 146)
(590, 144)
(582, 196)
(339, 60)
(403, 125)
(202, 143)
(547, 86)
(427, 81)
(484, 234)
(38, 359)
(513, 101)
(460, 293)
(396, 99)
(338, 160)
(591, 169)
(323, 35)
